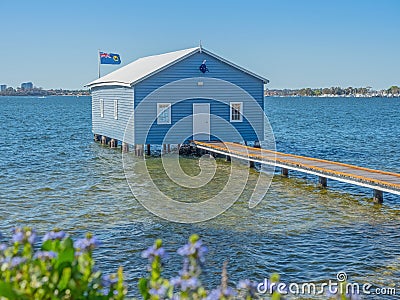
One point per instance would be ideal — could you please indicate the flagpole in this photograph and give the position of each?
(98, 60)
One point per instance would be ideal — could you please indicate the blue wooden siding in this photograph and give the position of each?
(189, 68)
(108, 125)
(221, 128)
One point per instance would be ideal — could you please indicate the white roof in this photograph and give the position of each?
(145, 67)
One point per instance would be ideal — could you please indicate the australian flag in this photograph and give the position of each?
(109, 58)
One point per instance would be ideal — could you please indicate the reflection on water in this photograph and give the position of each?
(53, 175)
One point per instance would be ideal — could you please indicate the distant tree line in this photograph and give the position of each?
(37, 91)
(393, 91)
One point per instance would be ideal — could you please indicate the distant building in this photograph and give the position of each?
(3, 87)
(27, 85)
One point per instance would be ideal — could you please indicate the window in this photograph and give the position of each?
(236, 111)
(116, 109)
(102, 108)
(163, 113)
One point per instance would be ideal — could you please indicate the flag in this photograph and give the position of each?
(109, 58)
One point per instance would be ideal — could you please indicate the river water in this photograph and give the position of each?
(52, 175)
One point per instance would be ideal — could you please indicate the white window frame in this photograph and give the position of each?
(231, 112)
(161, 108)
(116, 109)
(101, 108)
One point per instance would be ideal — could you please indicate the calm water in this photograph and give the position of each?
(53, 175)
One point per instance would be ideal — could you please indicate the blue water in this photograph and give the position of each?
(53, 175)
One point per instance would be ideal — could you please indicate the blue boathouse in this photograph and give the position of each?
(176, 97)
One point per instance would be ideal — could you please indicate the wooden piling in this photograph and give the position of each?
(139, 149)
(164, 148)
(284, 172)
(168, 148)
(323, 181)
(103, 140)
(113, 143)
(125, 147)
(148, 152)
(251, 164)
(228, 158)
(96, 137)
(378, 196)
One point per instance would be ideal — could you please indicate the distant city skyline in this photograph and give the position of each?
(295, 44)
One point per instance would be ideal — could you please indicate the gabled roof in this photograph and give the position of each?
(145, 67)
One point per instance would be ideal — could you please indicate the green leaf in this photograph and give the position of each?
(66, 256)
(6, 291)
(47, 245)
(65, 277)
(143, 289)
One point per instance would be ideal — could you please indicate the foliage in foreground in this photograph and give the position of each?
(59, 269)
(63, 269)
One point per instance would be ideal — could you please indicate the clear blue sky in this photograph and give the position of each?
(295, 44)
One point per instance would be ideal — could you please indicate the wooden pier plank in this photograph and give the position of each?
(376, 179)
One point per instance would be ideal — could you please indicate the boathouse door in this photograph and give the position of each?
(201, 121)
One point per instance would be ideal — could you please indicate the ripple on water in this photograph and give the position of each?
(65, 180)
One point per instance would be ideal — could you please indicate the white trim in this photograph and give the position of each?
(240, 111)
(160, 110)
(101, 108)
(116, 109)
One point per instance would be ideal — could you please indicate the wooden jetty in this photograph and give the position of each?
(379, 181)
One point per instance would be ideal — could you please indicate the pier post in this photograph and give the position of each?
(164, 148)
(251, 164)
(284, 172)
(168, 148)
(139, 149)
(228, 158)
(125, 147)
(323, 181)
(378, 196)
(113, 143)
(96, 137)
(103, 140)
(148, 152)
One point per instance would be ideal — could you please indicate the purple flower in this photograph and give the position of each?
(3, 247)
(153, 251)
(218, 293)
(158, 291)
(108, 280)
(23, 235)
(249, 286)
(86, 243)
(191, 283)
(13, 262)
(54, 235)
(196, 248)
(18, 236)
(44, 255)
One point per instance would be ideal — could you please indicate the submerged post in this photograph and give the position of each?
(125, 147)
(113, 143)
(323, 181)
(148, 149)
(378, 196)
